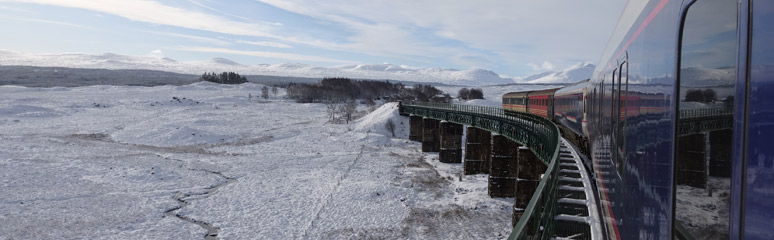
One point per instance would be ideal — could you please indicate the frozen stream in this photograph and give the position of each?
(212, 231)
(202, 161)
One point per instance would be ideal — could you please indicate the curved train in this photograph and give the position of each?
(653, 180)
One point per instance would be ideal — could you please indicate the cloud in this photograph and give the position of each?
(156, 13)
(474, 60)
(192, 37)
(60, 23)
(546, 66)
(266, 44)
(7, 8)
(514, 32)
(216, 10)
(277, 55)
(149, 11)
(517, 35)
(156, 54)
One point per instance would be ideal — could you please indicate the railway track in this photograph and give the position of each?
(576, 214)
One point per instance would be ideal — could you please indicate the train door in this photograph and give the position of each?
(600, 123)
(620, 116)
(592, 108)
(705, 92)
(752, 208)
(613, 120)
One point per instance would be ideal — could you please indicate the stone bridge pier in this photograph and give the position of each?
(478, 151)
(415, 128)
(702, 155)
(431, 139)
(528, 178)
(503, 167)
(720, 154)
(451, 143)
(691, 160)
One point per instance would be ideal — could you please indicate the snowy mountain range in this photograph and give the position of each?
(705, 77)
(472, 77)
(572, 74)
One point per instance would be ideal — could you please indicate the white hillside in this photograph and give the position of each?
(120, 162)
(572, 74)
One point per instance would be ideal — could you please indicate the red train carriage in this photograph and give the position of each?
(541, 103)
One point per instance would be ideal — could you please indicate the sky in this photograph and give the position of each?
(513, 38)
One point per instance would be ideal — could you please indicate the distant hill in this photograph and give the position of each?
(298, 71)
(74, 77)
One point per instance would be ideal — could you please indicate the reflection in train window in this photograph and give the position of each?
(703, 158)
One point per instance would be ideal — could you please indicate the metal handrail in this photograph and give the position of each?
(706, 112)
(540, 135)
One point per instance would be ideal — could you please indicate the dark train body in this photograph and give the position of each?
(662, 55)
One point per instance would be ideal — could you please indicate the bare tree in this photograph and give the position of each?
(390, 126)
(265, 92)
(349, 109)
(274, 91)
(331, 109)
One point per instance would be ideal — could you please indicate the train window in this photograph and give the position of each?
(706, 87)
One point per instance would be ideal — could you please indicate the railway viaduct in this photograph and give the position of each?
(527, 159)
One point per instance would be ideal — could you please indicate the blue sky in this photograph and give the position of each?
(514, 38)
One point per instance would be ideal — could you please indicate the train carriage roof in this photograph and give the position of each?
(572, 89)
(542, 92)
(516, 94)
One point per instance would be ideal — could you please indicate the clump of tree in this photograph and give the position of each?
(703, 96)
(223, 78)
(424, 93)
(468, 94)
(339, 90)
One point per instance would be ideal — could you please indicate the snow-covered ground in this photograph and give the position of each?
(118, 162)
(705, 212)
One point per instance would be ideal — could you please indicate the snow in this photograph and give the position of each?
(470, 77)
(705, 212)
(375, 121)
(573, 74)
(119, 162)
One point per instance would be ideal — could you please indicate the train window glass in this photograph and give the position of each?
(703, 154)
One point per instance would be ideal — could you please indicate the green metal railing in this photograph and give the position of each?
(540, 135)
(706, 112)
(700, 120)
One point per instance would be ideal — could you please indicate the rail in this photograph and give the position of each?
(540, 135)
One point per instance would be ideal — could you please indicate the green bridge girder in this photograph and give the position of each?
(540, 135)
(693, 121)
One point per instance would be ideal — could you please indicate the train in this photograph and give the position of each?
(658, 175)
